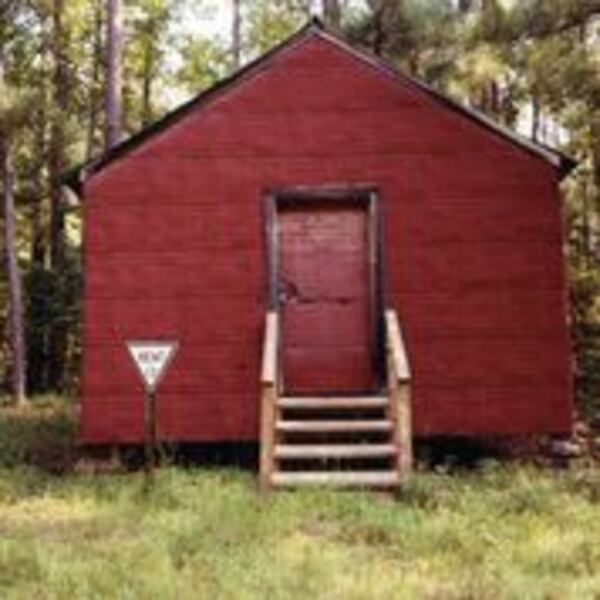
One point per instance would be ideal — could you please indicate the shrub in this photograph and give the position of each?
(41, 434)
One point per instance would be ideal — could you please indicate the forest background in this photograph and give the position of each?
(533, 65)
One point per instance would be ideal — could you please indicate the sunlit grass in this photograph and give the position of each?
(504, 532)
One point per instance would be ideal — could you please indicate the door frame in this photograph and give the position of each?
(365, 195)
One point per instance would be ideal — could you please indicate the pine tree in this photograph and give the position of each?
(10, 118)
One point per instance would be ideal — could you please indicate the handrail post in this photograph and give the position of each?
(400, 394)
(268, 413)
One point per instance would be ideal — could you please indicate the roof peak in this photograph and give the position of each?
(313, 27)
(316, 21)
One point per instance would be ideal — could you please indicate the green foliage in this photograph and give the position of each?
(269, 22)
(42, 435)
(203, 63)
(585, 303)
(53, 299)
(502, 533)
(146, 55)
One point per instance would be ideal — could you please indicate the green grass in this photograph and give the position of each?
(503, 532)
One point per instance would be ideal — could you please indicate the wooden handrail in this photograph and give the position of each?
(396, 346)
(269, 378)
(399, 377)
(270, 344)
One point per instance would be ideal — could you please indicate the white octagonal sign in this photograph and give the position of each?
(152, 358)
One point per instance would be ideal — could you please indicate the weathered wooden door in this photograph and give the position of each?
(324, 280)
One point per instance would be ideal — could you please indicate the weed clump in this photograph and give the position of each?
(41, 434)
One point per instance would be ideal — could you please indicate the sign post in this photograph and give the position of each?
(152, 359)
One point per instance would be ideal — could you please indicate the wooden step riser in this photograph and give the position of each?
(294, 414)
(333, 426)
(358, 479)
(343, 438)
(334, 403)
(299, 451)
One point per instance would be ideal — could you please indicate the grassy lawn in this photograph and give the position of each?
(502, 532)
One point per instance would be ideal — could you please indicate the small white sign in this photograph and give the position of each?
(152, 358)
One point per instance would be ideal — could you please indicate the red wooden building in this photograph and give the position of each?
(322, 184)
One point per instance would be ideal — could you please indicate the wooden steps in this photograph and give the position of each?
(335, 440)
(339, 441)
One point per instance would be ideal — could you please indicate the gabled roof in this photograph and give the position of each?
(75, 177)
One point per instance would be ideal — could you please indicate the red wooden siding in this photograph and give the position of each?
(175, 247)
(325, 297)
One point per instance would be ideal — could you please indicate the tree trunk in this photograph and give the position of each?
(38, 244)
(495, 99)
(39, 190)
(57, 164)
(114, 75)
(94, 100)
(595, 131)
(586, 237)
(236, 37)
(148, 76)
(37, 338)
(379, 8)
(595, 209)
(535, 116)
(16, 322)
(38, 250)
(57, 161)
(332, 14)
